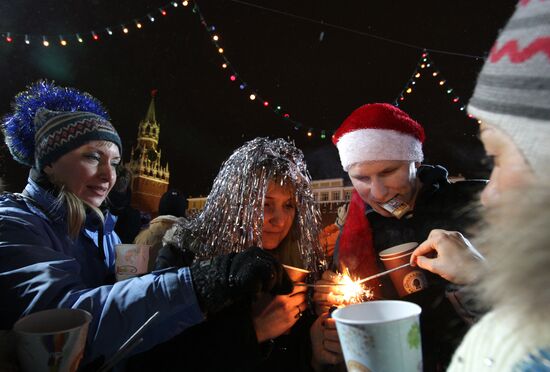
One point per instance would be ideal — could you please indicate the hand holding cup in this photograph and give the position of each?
(325, 344)
(329, 294)
(274, 315)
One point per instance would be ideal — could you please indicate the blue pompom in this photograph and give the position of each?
(19, 128)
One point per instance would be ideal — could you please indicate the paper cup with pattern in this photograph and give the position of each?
(131, 260)
(408, 279)
(52, 340)
(380, 336)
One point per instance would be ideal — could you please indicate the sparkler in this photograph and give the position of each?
(353, 291)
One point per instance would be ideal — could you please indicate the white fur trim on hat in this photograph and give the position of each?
(378, 144)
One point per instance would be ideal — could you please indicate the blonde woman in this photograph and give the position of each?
(57, 239)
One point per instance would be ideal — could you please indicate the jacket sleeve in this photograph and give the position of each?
(37, 272)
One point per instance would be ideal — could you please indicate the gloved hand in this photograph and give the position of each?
(172, 256)
(225, 279)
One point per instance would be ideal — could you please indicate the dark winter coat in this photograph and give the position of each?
(227, 342)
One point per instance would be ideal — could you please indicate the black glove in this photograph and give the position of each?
(172, 256)
(229, 278)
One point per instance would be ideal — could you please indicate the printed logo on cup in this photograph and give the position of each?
(131, 260)
(414, 281)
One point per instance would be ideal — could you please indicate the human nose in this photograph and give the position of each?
(276, 217)
(108, 173)
(378, 190)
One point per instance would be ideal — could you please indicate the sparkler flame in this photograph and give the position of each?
(351, 290)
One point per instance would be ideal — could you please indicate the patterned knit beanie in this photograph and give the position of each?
(49, 121)
(513, 88)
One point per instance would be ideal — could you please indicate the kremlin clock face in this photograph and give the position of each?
(152, 155)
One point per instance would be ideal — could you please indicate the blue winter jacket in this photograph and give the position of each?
(41, 267)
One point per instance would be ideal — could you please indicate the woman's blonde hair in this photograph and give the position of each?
(75, 211)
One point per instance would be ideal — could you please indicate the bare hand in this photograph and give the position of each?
(454, 257)
(325, 343)
(328, 237)
(273, 316)
(325, 297)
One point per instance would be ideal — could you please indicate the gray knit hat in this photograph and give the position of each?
(513, 88)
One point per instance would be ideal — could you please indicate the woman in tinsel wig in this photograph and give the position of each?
(237, 208)
(57, 244)
(261, 197)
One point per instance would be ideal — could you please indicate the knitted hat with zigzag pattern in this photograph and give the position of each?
(49, 121)
(513, 88)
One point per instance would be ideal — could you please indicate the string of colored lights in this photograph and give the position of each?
(425, 67)
(425, 62)
(251, 92)
(95, 34)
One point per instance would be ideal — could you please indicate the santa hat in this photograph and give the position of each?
(378, 131)
(513, 88)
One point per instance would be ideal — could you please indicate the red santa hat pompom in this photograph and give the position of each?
(378, 131)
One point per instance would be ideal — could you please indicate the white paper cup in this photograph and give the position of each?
(380, 336)
(52, 340)
(131, 260)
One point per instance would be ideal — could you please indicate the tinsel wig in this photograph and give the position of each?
(232, 219)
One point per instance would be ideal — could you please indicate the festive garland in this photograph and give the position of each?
(424, 65)
(95, 34)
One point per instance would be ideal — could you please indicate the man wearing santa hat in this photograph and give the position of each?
(397, 200)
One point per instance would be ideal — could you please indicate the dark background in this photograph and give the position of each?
(318, 80)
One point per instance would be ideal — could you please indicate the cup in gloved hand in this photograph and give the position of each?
(223, 280)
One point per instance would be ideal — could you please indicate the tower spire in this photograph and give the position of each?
(151, 117)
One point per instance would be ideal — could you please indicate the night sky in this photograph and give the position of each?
(317, 73)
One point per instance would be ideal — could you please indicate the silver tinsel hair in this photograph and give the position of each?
(232, 219)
